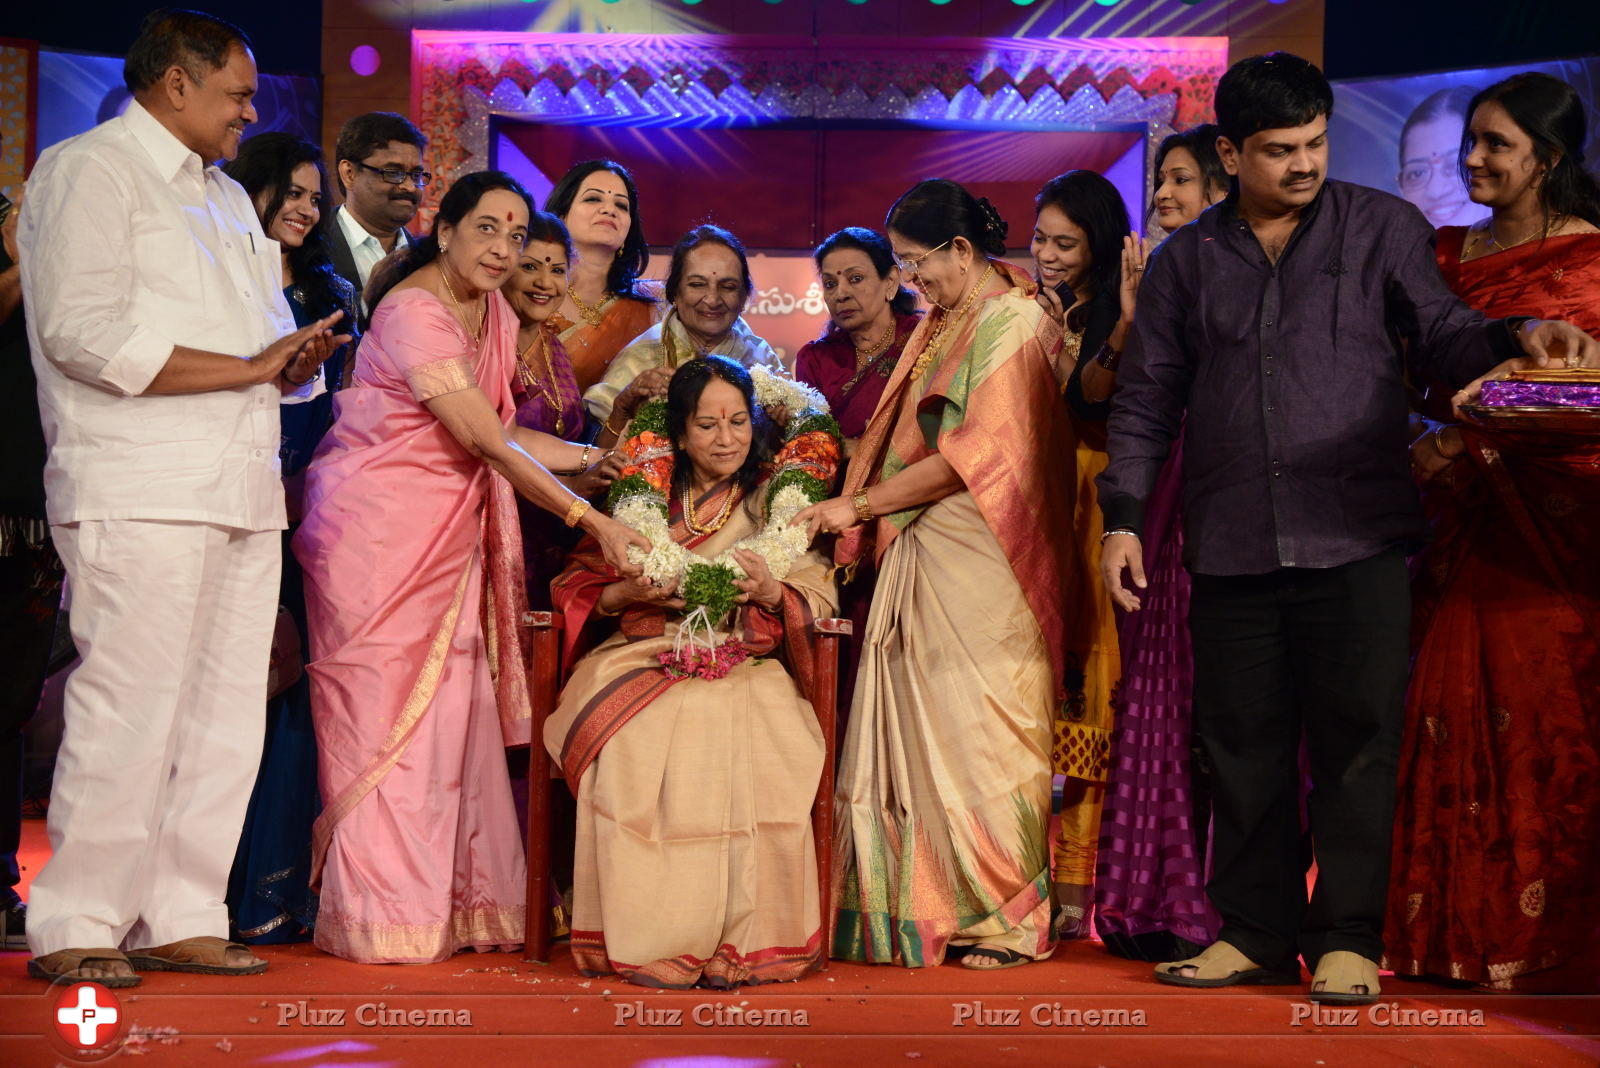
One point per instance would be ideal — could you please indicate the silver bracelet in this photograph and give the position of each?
(1119, 530)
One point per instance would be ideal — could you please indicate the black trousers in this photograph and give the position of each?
(30, 597)
(1320, 651)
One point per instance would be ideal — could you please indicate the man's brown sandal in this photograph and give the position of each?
(1230, 968)
(205, 955)
(1345, 978)
(64, 966)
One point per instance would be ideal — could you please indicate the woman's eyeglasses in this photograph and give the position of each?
(395, 175)
(914, 264)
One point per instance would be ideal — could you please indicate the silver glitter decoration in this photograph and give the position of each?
(678, 97)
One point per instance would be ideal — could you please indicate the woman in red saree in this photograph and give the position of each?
(695, 861)
(1496, 871)
(958, 493)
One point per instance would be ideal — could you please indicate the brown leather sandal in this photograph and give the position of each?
(1345, 978)
(1229, 967)
(64, 965)
(204, 955)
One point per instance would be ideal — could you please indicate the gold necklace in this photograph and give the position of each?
(531, 381)
(864, 356)
(477, 335)
(692, 521)
(589, 312)
(1543, 231)
(946, 321)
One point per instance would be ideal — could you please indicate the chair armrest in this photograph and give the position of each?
(841, 628)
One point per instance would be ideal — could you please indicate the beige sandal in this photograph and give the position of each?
(1227, 967)
(1345, 978)
(205, 955)
(64, 966)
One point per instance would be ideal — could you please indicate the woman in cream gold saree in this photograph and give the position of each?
(695, 767)
(962, 487)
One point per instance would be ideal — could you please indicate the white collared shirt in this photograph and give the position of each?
(365, 249)
(129, 247)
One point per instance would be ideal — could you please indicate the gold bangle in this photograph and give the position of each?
(599, 611)
(615, 430)
(1438, 445)
(863, 508)
(583, 464)
(579, 509)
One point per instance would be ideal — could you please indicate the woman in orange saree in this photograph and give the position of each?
(607, 303)
(1496, 870)
(958, 489)
(413, 578)
(695, 862)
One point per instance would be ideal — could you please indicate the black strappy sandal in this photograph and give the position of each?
(1007, 958)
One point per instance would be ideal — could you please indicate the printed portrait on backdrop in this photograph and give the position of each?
(1403, 135)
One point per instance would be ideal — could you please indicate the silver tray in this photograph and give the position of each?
(1568, 419)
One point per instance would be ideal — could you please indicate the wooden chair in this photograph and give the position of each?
(544, 675)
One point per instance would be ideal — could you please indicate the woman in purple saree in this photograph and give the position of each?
(1149, 884)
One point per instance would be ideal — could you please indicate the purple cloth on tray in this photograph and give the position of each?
(1541, 394)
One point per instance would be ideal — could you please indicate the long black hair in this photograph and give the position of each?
(1095, 207)
(936, 211)
(1551, 113)
(683, 397)
(458, 200)
(876, 248)
(623, 275)
(1201, 143)
(265, 166)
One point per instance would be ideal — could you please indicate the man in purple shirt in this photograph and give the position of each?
(1275, 331)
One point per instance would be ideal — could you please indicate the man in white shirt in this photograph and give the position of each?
(163, 346)
(378, 164)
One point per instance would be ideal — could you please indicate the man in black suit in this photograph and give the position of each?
(378, 164)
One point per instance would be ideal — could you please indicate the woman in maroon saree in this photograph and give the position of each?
(1496, 870)
(547, 395)
(870, 317)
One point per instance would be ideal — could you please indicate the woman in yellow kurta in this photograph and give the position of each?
(1081, 247)
(943, 794)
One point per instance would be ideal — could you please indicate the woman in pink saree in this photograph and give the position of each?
(413, 586)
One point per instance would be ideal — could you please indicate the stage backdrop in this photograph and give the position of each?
(78, 92)
(1370, 114)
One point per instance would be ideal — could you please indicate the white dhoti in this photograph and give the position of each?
(163, 730)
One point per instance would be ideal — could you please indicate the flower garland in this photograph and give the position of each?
(803, 473)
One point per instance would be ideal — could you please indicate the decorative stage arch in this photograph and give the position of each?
(461, 79)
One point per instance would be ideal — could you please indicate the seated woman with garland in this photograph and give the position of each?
(686, 731)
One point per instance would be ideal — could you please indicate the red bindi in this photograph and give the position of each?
(508, 216)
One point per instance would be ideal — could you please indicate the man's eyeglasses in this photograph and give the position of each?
(914, 264)
(395, 175)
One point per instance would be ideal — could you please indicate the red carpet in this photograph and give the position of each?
(311, 1009)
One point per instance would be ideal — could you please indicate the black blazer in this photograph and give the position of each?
(344, 261)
